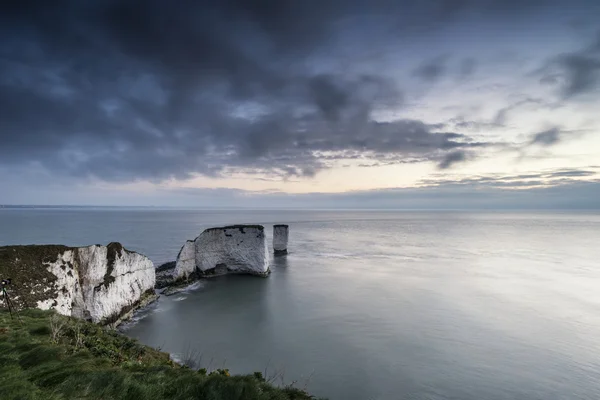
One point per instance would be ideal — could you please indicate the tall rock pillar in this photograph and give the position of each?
(280, 239)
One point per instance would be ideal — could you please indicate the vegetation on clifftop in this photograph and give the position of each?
(26, 266)
(50, 356)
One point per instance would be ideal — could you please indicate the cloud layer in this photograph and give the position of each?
(144, 90)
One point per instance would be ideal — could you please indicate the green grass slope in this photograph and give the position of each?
(49, 357)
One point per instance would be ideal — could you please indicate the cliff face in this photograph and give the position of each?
(280, 239)
(229, 249)
(97, 283)
(185, 264)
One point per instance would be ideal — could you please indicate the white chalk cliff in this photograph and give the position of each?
(280, 238)
(97, 283)
(229, 249)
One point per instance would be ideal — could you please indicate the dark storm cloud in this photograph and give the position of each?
(133, 89)
(576, 73)
(582, 74)
(431, 70)
(501, 116)
(467, 67)
(549, 137)
(452, 158)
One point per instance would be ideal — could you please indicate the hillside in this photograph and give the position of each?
(49, 356)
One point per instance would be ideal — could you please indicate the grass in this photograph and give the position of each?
(49, 356)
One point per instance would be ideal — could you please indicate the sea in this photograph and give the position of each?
(367, 305)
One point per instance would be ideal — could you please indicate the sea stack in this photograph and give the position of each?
(219, 251)
(280, 239)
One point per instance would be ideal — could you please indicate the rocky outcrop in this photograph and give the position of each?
(185, 264)
(229, 249)
(102, 284)
(280, 239)
(164, 275)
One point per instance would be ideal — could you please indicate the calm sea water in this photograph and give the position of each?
(376, 305)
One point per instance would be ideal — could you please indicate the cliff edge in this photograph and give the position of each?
(101, 284)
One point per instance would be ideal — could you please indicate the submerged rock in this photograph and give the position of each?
(181, 288)
(102, 284)
(280, 239)
(228, 249)
(168, 266)
(164, 275)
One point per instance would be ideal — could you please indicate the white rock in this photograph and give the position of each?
(67, 278)
(280, 238)
(229, 249)
(114, 286)
(99, 283)
(186, 260)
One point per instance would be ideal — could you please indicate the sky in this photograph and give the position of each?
(301, 103)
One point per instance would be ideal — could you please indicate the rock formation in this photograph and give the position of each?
(280, 239)
(229, 249)
(102, 284)
(164, 275)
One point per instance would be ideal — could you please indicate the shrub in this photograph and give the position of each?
(40, 330)
(57, 326)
